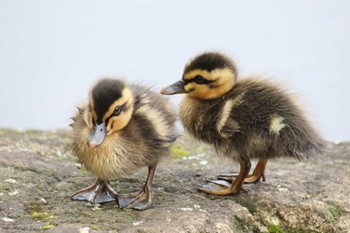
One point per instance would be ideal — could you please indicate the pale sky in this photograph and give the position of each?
(52, 52)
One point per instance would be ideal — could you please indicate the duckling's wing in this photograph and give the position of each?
(229, 128)
(161, 142)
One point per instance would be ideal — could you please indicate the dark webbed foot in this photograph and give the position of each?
(222, 187)
(142, 199)
(139, 200)
(100, 192)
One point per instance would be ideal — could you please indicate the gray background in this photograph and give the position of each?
(51, 52)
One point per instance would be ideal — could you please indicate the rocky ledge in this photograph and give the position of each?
(38, 173)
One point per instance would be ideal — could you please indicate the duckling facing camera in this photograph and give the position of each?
(243, 119)
(122, 128)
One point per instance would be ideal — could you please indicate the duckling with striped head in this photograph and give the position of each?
(122, 128)
(245, 119)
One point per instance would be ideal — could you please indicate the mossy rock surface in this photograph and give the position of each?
(38, 173)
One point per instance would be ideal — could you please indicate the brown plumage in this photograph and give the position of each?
(122, 128)
(243, 119)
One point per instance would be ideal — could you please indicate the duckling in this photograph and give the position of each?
(123, 127)
(243, 119)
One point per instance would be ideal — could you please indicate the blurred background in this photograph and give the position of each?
(52, 52)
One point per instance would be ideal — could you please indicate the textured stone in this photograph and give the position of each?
(298, 196)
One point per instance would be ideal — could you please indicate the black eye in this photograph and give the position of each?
(117, 111)
(200, 80)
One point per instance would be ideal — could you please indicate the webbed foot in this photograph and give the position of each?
(142, 199)
(223, 187)
(139, 200)
(100, 192)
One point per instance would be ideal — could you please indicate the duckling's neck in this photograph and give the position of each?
(195, 114)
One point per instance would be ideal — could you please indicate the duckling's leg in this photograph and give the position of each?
(257, 173)
(142, 199)
(100, 192)
(253, 178)
(223, 189)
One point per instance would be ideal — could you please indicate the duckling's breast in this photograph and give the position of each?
(105, 161)
(118, 155)
(202, 119)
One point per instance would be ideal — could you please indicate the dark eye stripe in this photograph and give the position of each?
(199, 79)
(122, 108)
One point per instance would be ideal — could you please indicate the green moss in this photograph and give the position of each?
(42, 216)
(96, 228)
(48, 226)
(272, 228)
(177, 152)
(38, 215)
(46, 217)
(83, 171)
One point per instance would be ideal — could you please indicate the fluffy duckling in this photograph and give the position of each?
(122, 128)
(243, 119)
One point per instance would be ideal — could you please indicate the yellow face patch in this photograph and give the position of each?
(116, 123)
(220, 82)
(125, 99)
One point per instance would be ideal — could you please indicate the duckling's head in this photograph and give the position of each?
(110, 109)
(207, 76)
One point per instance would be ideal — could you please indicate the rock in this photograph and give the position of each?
(38, 174)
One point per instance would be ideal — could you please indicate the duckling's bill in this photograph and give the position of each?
(175, 88)
(97, 135)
